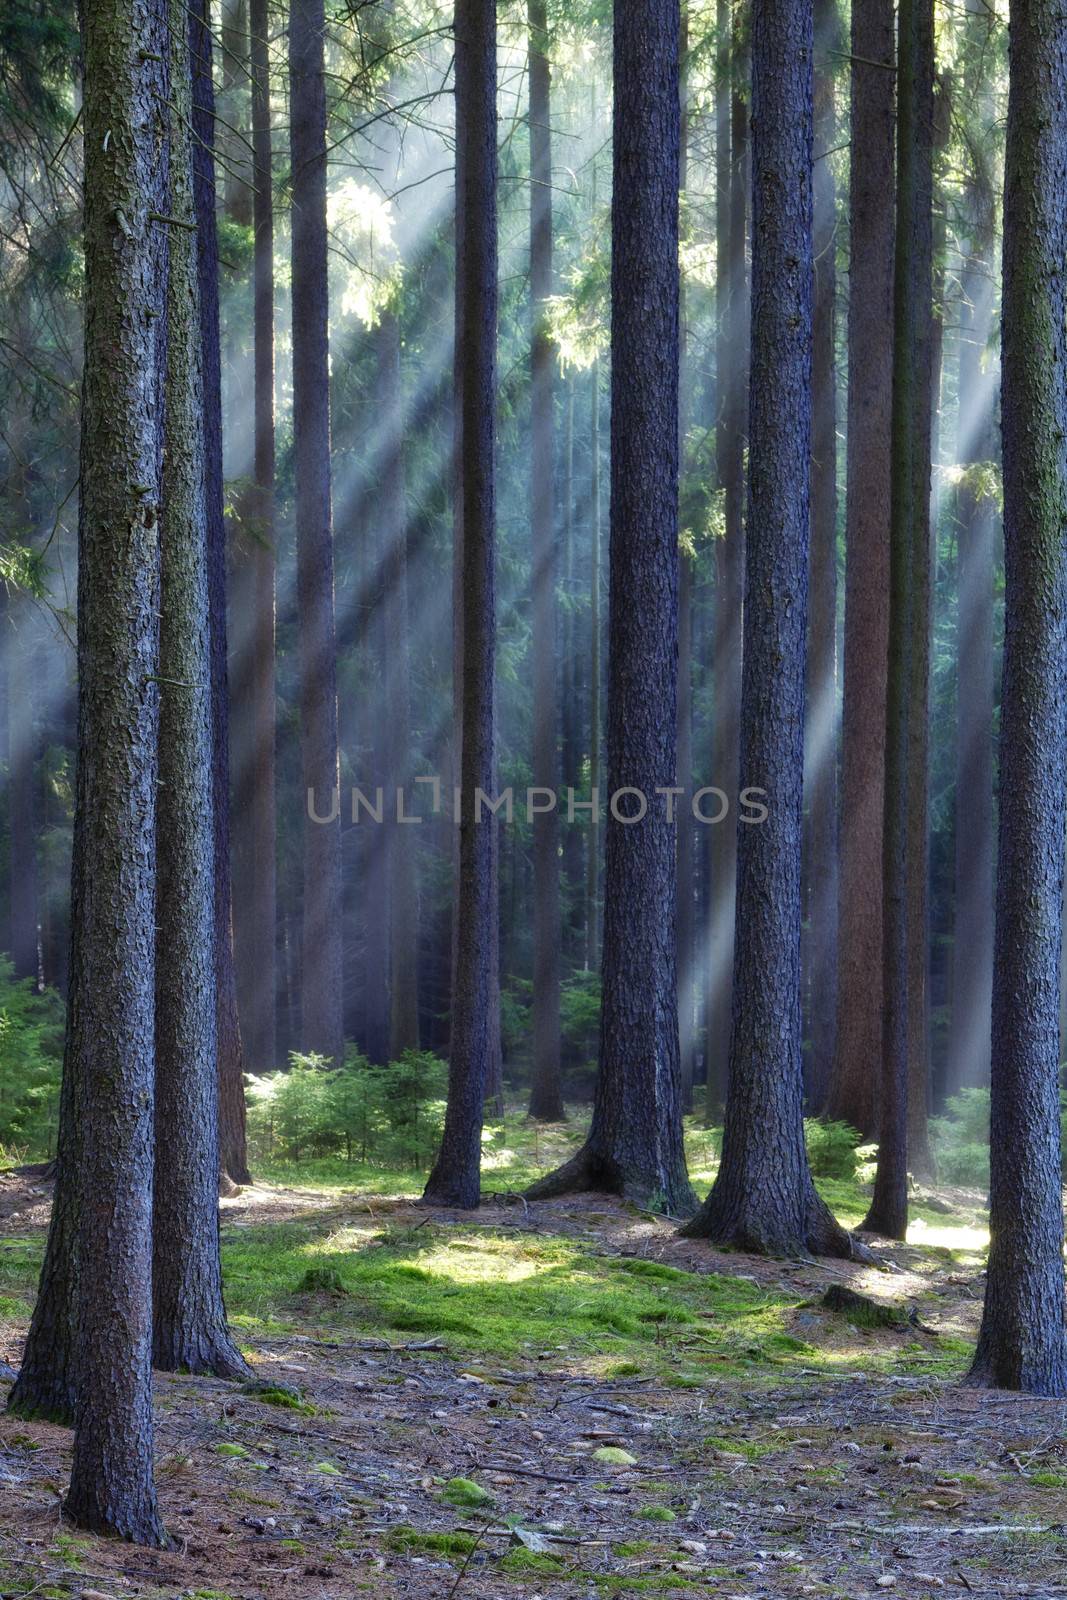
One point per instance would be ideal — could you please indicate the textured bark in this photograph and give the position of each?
(260, 888)
(455, 1177)
(321, 992)
(904, 844)
(972, 966)
(764, 1198)
(1023, 1343)
(686, 909)
(111, 1013)
(858, 1046)
(635, 1145)
(546, 1098)
(232, 1145)
(189, 1324)
(402, 887)
(820, 836)
(592, 851)
(732, 314)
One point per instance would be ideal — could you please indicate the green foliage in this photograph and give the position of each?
(961, 1139)
(832, 1148)
(391, 1114)
(31, 1061)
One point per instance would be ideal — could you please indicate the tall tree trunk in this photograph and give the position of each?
(904, 940)
(189, 1324)
(686, 911)
(321, 993)
(110, 1048)
(635, 1143)
(546, 1098)
(764, 1198)
(972, 967)
(255, 909)
(402, 888)
(853, 1093)
(233, 1156)
(820, 837)
(1023, 1339)
(731, 360)
(592, 849)
(455, 1178)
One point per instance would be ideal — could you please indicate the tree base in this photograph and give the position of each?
(735, 1227)
(36, 1397)
(200, 1355)
(548, 1109)
(997, 1368)
(588, 1170)
(135, 1519)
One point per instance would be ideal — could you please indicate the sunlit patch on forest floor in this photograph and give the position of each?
(563, 1400)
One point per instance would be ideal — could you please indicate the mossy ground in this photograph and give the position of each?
(623, 1402)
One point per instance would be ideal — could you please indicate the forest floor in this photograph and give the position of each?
(561, 1400)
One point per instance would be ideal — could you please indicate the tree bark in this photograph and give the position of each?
(764, 1198)
(858, 1045)
(321, 992)
(402, 886)
(255, 908)
(731, 359)
(233, 1154)
(189, 1323)
(1023, 1341)
(110, 1020)
(972, 966)
(820, 946)
(455, 1178)
(686, 910)
(546, 1097)
(635, 1145)
(904, 939)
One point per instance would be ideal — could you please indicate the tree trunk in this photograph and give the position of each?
(764, 1198)
(686, 909)
(455, 1178)
(321, 992)
(233, 1154)
(732, 317)
(904, 822)
(401, 887)
(546, 1098)
(110, 1020)
(820, 837)
(189, 1323)
(635, 1143)
(255, 909)
(858, 1045)
(972, 966)
(1023, 1340)
(592, 849)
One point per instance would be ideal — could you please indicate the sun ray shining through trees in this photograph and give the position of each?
(531, 790)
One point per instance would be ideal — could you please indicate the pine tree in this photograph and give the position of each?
(635, 1143)
(111, 1018)
(764, 1198)
(1023, 1339)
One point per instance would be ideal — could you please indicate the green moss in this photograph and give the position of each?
(657, 1514)
(521, 1561)
(404, 1538)
(465, 1492)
